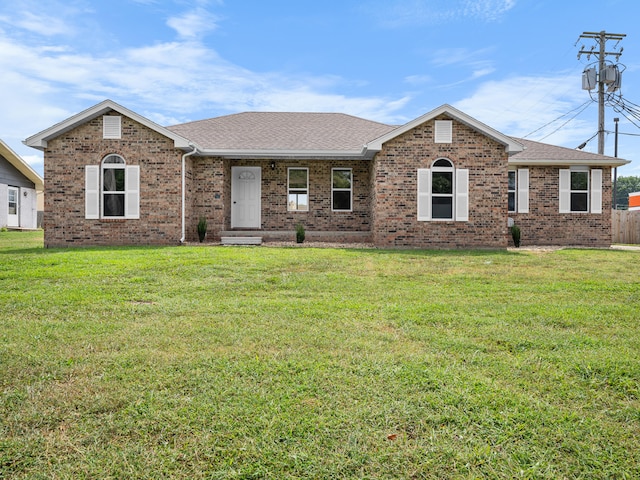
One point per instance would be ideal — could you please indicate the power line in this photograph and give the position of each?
(561, 116)
(583, 109)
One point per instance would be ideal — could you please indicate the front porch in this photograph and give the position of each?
(310, 236)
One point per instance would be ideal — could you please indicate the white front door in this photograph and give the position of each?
(14, 207)
(245, 197)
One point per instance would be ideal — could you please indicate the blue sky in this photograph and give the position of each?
(509, 63)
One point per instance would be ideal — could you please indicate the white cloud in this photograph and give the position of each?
(519, 105)
(400, 13)
(193, 24)
(487, 10)
(46, 25)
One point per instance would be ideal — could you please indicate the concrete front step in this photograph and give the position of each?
(241, 240)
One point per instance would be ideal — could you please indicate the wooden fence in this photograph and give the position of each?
(625, 226)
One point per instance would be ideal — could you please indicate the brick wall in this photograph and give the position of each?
(394, 190)
(211, 178)
(207, 196)
(544, 225)
(160, 187)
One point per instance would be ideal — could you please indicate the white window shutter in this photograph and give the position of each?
(565, 190)
(444, 131)
(596, 191)
(424, 194)
(462, 195)
(111, 126)
(523, 190)
(91, 191)
(132, 187)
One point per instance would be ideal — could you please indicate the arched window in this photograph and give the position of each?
(442, 174)
(443, 192)
(112, 189)
(113, 186)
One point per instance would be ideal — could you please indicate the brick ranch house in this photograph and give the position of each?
(443, 180)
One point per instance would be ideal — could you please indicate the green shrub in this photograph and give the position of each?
(202, 228)
(300, 234)
(515, 234)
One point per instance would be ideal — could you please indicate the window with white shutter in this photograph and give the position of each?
(443, 192)
(523, 190)
(580, 190)
(596, 191)
(462, 195)
(91, 191)
(112, 190)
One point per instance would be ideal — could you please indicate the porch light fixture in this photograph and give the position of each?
(272, 165)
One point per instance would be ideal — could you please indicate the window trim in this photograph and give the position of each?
(350, 190)
(585, 191)
(520, 190)
(460, 206)
(116, 165)
(94, 191)
(594, 190)
(297, 191)
(440, 169)
(513, 191)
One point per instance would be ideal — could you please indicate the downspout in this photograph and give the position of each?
(184, 184)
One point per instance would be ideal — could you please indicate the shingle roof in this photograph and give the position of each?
(286, 131)
(542, 153)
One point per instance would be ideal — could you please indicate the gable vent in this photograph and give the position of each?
(111, 127)
(444, 131)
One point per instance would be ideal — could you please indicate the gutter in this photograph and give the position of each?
(184, 193)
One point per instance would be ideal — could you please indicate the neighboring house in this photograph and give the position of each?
(20, 187)
(443, 180)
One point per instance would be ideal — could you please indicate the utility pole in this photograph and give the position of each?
(601, 39)
(615, 171)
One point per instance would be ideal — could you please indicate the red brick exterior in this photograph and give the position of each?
(395, 220)
(384, 194)
(160, 187)
(544, 225)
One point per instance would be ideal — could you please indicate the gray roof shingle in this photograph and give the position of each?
(543, 152)
(282, 131)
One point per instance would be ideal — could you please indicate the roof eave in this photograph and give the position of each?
(39, 140)
(23, 167)
(612, 162)
(276, 154)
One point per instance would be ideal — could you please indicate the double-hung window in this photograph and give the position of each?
(298, 189)
(580, 190)
(112, 189)
(518, 190)
(341, 189)
(443, 192)
(512, 190)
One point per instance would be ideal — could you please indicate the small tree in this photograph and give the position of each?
(625, 186)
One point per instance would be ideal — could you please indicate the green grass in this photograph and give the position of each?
(223, 362)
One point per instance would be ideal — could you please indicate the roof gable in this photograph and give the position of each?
(23, 167)
(39, 140)
(511, 145)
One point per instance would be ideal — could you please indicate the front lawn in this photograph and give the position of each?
(258, 362)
